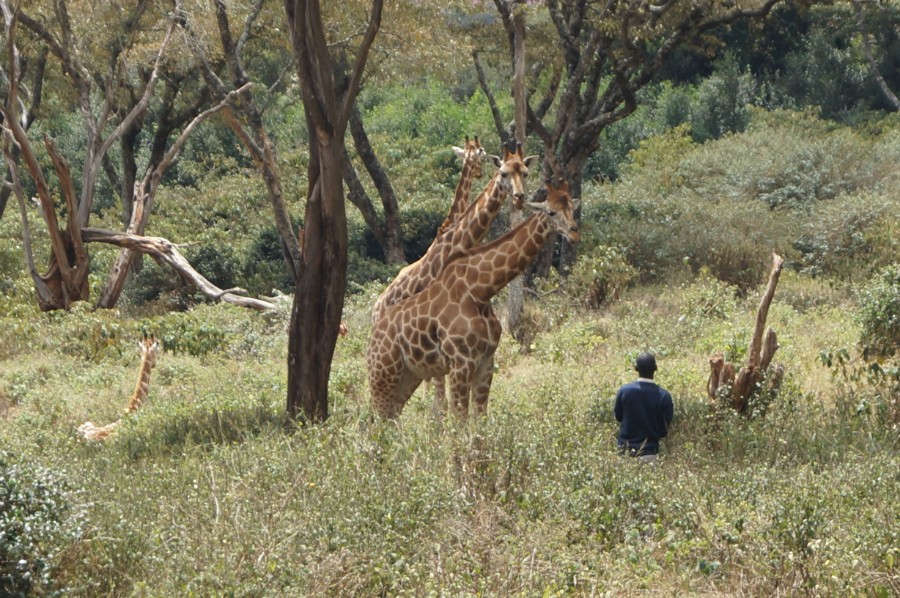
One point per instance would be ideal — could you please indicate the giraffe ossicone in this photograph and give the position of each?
(449, 328)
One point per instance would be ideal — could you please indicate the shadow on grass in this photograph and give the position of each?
(170, 432)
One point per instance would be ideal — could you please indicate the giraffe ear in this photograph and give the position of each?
(496, 160)
(531, 161)
(576, 202)
(460, 152)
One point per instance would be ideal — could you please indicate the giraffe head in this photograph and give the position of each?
(149, 348)
(560, 207)
(512, 171)
(472, 154)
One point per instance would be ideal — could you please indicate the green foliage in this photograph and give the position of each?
(851, 237)
(879, 314)
(708, 298)
(36, 523)
(722, 101)
(599, 276)
(866, 390)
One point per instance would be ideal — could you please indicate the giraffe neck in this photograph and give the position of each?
(475, 222)
(460, 197)
(491, 267)
(142, 387)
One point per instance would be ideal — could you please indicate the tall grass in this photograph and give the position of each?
(208, 490)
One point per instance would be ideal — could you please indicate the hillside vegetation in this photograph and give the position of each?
(208, 490)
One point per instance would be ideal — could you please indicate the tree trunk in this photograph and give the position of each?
(165, 252)
(320, 289)
(763, 345)
(321, 281)
(516, 301)
(387, 232)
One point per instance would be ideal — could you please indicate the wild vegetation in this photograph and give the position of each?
(210, 489)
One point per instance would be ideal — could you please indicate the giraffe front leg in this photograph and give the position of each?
(439, 404)
(481, 384)
(460, 379)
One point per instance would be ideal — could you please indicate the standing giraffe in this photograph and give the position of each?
(468, 231)
(449, 328)
(149, 348)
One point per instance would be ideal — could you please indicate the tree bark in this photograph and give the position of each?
(245, 119)
(516, 297)
(387, 231)
(144, 195)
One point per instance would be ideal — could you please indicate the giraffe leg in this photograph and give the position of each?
(460, 388)
(439, 405)
(390, 394)
(481, 384)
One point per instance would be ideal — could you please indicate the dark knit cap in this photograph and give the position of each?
(645, 364)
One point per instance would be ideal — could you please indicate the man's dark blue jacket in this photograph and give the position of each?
(645, 411)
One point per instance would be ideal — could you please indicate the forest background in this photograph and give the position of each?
(771, 135)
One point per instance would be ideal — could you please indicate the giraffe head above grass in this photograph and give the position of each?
(149, 348)
(512, 170)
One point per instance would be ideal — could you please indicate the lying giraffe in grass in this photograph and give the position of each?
(149, 349)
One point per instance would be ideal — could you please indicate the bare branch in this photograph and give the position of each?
(361, 57)
(166, 252)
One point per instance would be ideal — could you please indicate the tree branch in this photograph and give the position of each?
(165, 252)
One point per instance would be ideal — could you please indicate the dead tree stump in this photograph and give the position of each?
(763, 345)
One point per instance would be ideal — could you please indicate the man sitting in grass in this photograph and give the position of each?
(645, 410)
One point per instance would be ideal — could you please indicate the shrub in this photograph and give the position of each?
(850, 236)
(36, 521)
(879, 314)
(708, 298)
(722, 101)
(600, 275)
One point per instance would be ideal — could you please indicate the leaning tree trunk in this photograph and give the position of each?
(744, 382)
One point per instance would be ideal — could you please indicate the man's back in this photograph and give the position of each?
(645, 411)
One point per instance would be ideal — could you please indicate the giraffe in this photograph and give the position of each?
(472, 155)
(149, 348)
(449, 328)
(468, 231)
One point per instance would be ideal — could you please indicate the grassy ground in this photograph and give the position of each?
(203, 492)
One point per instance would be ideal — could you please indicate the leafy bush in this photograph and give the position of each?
(850, 237)
(879, 314)
(600, 276)
(722, 101)
(708, 298)
(36, 522)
